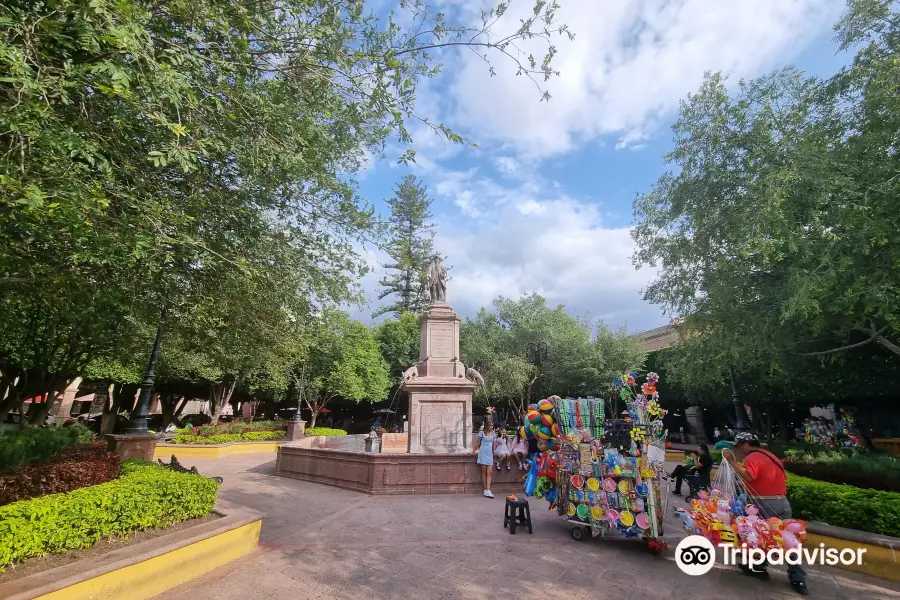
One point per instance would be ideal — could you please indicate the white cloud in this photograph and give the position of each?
(531, 237)
(630, 64)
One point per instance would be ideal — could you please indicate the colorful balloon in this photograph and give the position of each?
(533, 417)
(545, 406)
(544, 432)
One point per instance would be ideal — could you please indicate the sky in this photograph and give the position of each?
(543, 204)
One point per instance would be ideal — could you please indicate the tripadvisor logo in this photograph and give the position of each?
(696, 555)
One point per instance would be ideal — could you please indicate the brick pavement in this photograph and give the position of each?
(326, 543)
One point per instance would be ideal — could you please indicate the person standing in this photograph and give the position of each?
(766, 482)
(485, 450)
(716, 434)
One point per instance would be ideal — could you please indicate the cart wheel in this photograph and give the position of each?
(578, 533)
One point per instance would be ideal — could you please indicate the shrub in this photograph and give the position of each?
(70, 469)
(145, 496)
(324, 431)
(38, 444)
(225, 438)
(844, 505)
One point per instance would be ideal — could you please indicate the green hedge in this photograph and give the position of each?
(33, 445)
(144, 496)
(226, 438)
(845, 505)
(324, 431)
(238, 427)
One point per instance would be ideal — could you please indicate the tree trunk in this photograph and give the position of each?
(171, 405)
(121, 397)
(219, 396)
(312, 419)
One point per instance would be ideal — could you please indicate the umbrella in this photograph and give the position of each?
(385, 410)
(324, 411)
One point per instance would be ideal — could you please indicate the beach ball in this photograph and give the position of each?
(532, 407)
(555, 431)
(525, 433)
(533, 417)
(545, 406)
(551, 444)
(544, 432)
(546, 420)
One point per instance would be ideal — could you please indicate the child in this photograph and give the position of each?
(485, 452)
(521, 450)
(501, 451)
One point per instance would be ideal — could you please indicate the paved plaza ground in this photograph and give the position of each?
(320, 542)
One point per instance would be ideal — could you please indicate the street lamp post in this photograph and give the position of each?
(740, 413)
(137, 423)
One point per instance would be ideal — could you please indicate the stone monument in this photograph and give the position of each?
(439, 387)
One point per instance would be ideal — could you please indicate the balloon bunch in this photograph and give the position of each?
(540, 424)
(540, 481)
(724, 520)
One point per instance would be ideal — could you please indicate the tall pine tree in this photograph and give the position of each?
(411, 246)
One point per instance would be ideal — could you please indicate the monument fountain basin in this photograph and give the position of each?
(391, 474)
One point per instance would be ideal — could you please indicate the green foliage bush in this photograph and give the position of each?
(35, 445)
(324, 431)
(145, 496)
(844, 505)
(880, 464)
(226, 438)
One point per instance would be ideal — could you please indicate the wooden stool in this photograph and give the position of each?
(511, 519)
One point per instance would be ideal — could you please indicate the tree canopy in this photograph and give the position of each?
(775, 229)
(410, 245)
(190, 164)
(526, 349)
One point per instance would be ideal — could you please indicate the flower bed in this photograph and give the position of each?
(237, 428)
(71, 468)
(324, 431)
(844, 505)
(226, 438)
(145, 496)
(33, 445)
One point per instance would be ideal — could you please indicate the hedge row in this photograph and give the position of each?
(326, 431)
(70, 469)
(34, 445)
(238, 427)
(845, 474)
(844, 505)
(225, 438)
(145, 496)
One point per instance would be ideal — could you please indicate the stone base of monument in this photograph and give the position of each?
(391, 474)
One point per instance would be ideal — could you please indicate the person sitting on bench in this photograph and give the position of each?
(703, 467)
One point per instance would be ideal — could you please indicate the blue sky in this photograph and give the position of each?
(544, 203)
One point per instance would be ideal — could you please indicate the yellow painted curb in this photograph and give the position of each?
(213, 451)
(878, 561)
(160, 573)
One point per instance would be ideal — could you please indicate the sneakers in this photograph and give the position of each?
(488, 494)
(800, 587)
(758, 572)
(508, 467)
(498, 466)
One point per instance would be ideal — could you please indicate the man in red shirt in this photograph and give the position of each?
(766, 482)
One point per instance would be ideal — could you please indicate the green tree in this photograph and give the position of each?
(399, 343)
(776, 231)
(410, 245)
(344, 361)
(527, 350)
(148, 153)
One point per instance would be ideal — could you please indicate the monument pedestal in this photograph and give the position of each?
(440, 396)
